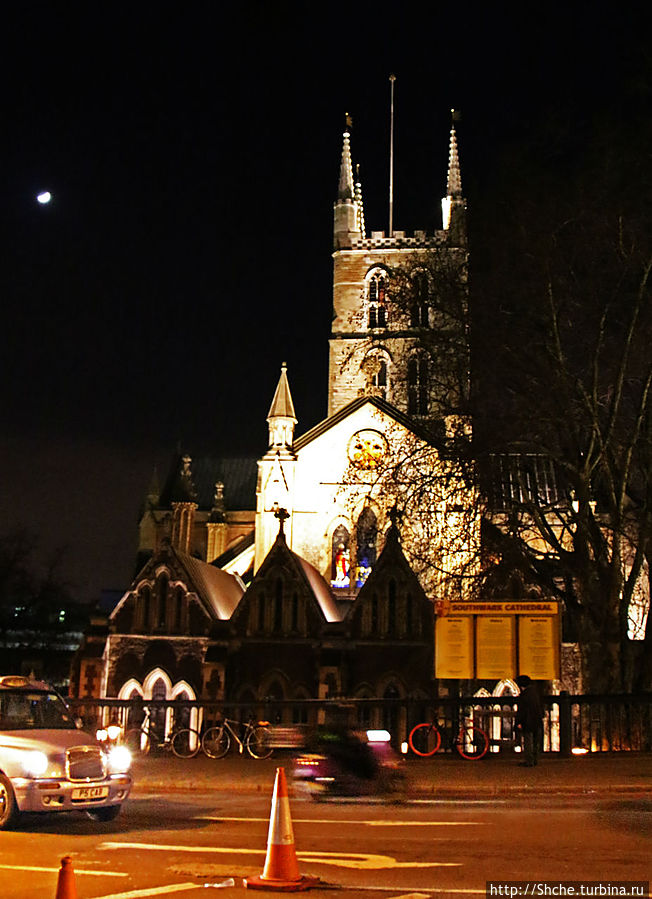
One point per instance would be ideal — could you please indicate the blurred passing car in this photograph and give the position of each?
(349, 763)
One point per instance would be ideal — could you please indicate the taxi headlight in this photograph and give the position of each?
(113, 731)
(35, 763)
(119, 759)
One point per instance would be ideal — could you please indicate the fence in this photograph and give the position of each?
(572, 724)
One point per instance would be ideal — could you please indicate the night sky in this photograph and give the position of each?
(192, 151)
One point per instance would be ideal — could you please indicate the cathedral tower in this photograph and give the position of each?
(377, 338)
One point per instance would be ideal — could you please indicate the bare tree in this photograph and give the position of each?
(562, 327)
(561, 401)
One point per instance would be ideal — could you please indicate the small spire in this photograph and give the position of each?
(184, 488)
(453, 205)
(358, 202)
(454, 183)
(218, 510)
(282, 405)
(281, 418)
(345, 190)
(154, 489)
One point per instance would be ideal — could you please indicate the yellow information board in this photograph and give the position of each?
(538, 647)
(454, 647)
(497, 640)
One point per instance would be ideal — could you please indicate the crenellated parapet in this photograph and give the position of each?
(378, 240)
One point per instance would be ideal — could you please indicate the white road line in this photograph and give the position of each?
(154, 891)
(167, 848)
(333, 821)
(54, 870)
(357, 860)
(432, 891)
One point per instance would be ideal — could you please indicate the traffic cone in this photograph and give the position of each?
(281, 871)
(66, 887)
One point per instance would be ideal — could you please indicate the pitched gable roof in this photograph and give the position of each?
(314, 582)
(352, 407)
(391, 561)
(237, 474)
(218, 591)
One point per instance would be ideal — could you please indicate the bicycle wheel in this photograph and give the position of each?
(257, 743)
(472, 743)
(137, 742)
(186, 743)
(424, 739)
(216, 742)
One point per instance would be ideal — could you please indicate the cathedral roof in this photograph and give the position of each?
(321, 590)
(237, 474)
(220, 591)
(351, 407)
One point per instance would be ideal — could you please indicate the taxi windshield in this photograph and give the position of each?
(33, 710)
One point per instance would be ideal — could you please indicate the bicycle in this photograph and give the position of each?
(183, 742)
(470, 741)
(216, 741)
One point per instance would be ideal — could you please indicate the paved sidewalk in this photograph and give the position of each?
(440, 777)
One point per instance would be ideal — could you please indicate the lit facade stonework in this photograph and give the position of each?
(288, 576)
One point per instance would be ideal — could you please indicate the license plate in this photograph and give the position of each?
(90, 793)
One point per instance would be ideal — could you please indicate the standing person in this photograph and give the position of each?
(529, 713)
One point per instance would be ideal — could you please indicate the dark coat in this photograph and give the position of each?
(529, 711)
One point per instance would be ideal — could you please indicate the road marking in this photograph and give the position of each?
(358, 860)
(431, 891)
(154, 891)
(333, 821)
(367, 861)
(51, 870)
(159, 846)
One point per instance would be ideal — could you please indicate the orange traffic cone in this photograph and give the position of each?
(66, 888)
(281, 871)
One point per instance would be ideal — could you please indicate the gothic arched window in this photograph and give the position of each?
(294, 624)
(374, 624)
(366, 535)
(340, 558)
(278, 607)
(417, 383)
(380, 380)
(377, 300)
(161, 596)
(391, 608)
(419, 316)
(178, 611)
(375, 369)
(146, 606)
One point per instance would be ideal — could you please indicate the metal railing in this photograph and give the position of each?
(572, 724)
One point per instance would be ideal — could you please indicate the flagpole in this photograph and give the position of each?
(392, 79)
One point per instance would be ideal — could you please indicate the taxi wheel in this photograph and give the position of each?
(108, 813)
(8, 807)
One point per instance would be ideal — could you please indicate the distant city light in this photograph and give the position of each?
(44, 197)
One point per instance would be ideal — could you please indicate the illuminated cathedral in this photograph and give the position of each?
(291, 576)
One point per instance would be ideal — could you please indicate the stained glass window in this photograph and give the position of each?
(366, 535)
(340, 558)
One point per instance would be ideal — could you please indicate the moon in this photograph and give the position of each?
(44, 197)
